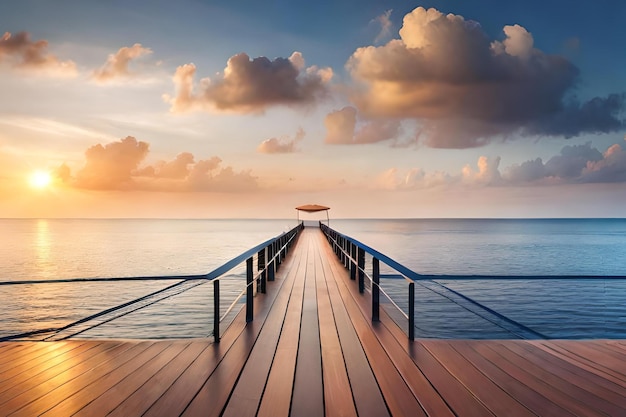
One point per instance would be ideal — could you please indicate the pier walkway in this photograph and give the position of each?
(313, 350)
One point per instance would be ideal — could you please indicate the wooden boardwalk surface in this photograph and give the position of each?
(312, 350)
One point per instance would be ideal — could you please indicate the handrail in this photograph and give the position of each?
(276, 249)
(351, 253)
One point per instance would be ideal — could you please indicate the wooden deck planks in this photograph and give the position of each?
(114, 395)
(365, 390)
(276, 399)
(34, 383)
(213, 395)
(247, 393)
(313, 350)
(71, 384)
(308, 395)
(426, 396)
(147, 394)
(338, 399)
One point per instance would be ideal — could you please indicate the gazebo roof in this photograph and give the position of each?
(312, 208)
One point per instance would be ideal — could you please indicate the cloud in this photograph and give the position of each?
(23, 53)
(117, 166)
(412, 179)
(341, 128)
(250, 86)
(574, 164)
(611, 168)
(116, 66)
(111, 166)
(487, 172)
(207, 176)
(384, 20)
(275, 145)
(466, 89)
(175, 169)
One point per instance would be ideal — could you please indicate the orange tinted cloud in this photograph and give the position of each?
(21, 52)
(250, 85)
(275, 145)
(117, 166)
(341, 128)
(465, 89)
(116, 66)
(110, 167)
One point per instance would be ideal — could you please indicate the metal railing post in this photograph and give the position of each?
(353, 264)
(270, 265)
(261, 267)
(375, 289)
(361, 258)
(249, 291)
(412, 311)
(216, 310)
(284, 248)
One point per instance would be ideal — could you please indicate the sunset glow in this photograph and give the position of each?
(430, 109)
(40, 179)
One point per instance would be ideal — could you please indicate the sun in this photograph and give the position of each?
(40, 179)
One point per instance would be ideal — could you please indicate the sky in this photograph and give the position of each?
(247, 109)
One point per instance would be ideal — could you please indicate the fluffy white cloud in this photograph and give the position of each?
(487, 172)
(250, 86)
(465, 89)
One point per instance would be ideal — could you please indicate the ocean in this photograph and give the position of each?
(44, 249)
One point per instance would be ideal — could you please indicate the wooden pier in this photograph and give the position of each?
(312, 350)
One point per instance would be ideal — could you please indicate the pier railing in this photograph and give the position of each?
(351, 254)
(269, 255)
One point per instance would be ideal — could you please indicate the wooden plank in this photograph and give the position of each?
(69, 382)
(505, 362)
(276, 399)
(365, 391)
(140, 400)
(421, 388)
(109, 399)
(338, 398)
(110, 379)
(398, 396)
(32, 354)
(174, 401)
(484, 389)
(588, 386)
(12, 350)
(583, 362)
(213, 395)
(602, 346)
(21, 385)
(28, 363)
(534, 400)
(247, 394)
(308, 394)
(15, 353)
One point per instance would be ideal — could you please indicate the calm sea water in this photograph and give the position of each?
(60, 248)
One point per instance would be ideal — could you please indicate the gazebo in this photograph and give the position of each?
(313, 208)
